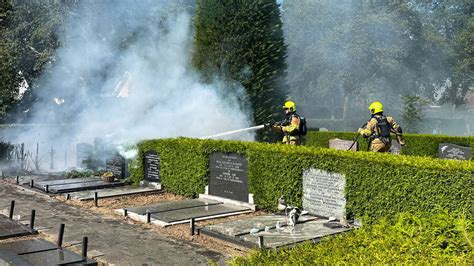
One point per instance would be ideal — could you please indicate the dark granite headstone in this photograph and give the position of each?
(151, 162)
(83, 154)
(340, 144)
(228, 176)
(115, 163)
(453, 151)
(396, 148)
(323, 193)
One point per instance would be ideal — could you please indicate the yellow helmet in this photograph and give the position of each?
(290, 106)
(375, 108)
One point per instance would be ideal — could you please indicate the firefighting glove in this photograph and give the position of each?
(276, 128)
(401, 140)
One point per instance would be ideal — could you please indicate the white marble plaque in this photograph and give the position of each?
(453, 151)
(340, 144)
(323, 193)
(396, 148)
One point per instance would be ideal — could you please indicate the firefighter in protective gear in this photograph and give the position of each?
(290, 125)
(378, 129)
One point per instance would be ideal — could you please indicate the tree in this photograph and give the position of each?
(451, 21)
(412, 113)
(9, 78)
(241, 41)
(32, 35)
(346, 54)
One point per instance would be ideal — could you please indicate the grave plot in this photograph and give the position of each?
(86, 188)
(273, 230)
(227, 195)
(39, 252)
(453, 151)
(323, 199)
(10, 228)
(170, 213)
(74, 184)
(26, 179)
(112, 192)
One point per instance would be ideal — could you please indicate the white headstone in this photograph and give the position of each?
(340, 144)
(323, 193)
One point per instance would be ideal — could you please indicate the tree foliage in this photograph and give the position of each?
(31, 33)
(412, 112)
(452, 23)
(241, 41)
(353, 52)
(8, 73)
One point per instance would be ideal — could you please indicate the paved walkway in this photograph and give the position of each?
(122, 243)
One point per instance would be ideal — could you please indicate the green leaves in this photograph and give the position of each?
(425, 145)
(242, 41)
(377, 185)
(409, 211)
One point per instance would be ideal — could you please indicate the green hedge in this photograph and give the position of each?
(376, 184)
(440, 239)
(416, 144)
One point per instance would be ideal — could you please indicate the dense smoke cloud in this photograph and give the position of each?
(343, 55)
(122, 73)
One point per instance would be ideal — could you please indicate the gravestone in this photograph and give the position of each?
(115, 163)
(151, 162)
(453, 151)
(340, 144)
(396, 148)
(83, 155)
(228, 176)
(323, 193)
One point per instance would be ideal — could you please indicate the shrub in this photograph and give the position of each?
(377, 185)
(416, 144)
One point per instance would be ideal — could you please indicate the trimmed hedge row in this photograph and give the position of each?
(376, 184)
(416, 144)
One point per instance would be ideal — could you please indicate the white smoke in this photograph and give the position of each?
(100, 88)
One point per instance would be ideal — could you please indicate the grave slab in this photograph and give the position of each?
(197, 212)
(242, 227)
(28, 246)
(10, 258)
(287, 235)
(174, 205)
(23, 180)
(84, 186)
(54, 257)
(10, 228)
(453, 151)
(51, 183)
(112, 192)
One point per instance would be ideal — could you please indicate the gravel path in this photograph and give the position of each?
(120, 242)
